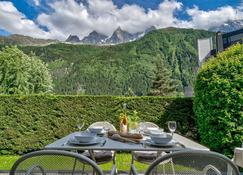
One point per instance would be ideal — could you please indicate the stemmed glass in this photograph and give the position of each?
(142, 127)
(80, 125)
(172, 126)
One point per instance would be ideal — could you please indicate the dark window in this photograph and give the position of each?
(229, 40)
(225, 40)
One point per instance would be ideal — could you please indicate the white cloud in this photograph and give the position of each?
(37, 2)
(69, 17)
(103, 16)
(15, 22)
(208, 19)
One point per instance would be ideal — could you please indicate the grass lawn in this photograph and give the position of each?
(123, 163)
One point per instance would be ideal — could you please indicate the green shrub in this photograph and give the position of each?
(29, 123)
(22, 74)
(218, 100)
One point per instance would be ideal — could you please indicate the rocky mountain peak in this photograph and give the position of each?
(94, 38)
(73, 39)
(150, 29)
(118, 36)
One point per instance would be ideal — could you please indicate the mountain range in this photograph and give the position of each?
(95, 38)
(122, 36)
(229, 26)
(118, 36)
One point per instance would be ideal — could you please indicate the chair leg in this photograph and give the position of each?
(132, 162)
(74, 166)
(114, 170)
(114, 167)
(132, 168)
(172, 166)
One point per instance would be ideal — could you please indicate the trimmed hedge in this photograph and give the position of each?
(29, 123)
(218, 101)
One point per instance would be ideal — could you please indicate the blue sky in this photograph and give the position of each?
(29, 8)
(59, 18)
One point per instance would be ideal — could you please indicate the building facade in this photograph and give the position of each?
(224, 40)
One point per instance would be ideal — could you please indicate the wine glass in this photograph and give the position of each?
(107, 130)
(80, 125)
(142, 127)
(172, 126)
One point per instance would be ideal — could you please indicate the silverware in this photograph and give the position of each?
(103, 143)
(144, 143)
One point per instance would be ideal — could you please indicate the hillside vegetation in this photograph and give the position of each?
(24, 40)
(112, 70)
(23, 74)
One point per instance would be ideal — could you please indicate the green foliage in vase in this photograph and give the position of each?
(113, 69)
(22, 74)
(218, 100)
(134, 117)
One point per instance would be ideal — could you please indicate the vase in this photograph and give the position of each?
(123, 128)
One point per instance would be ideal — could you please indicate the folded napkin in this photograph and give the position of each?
(125, 137)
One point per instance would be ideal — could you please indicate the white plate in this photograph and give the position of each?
(73, 141)
(171, 143)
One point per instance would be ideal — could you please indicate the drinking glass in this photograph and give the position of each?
(133, 127)
(172, 126)
(80, 125)
(142, 127)
(107, 130)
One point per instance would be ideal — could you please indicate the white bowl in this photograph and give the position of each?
(157, 132)
(151, 129)
(161, 139)
(96, 129)
(85, 137)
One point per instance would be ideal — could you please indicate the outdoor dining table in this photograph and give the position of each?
(106, 143)
(109, 144)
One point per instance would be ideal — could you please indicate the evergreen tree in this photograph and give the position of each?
(163, 84)
(130, 93)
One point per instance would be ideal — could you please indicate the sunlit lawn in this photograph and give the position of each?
(6, 162)
(123, 163)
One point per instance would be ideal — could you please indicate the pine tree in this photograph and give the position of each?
(163, 84)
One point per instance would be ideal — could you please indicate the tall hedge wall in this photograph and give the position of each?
(29, 123)
(218, 100)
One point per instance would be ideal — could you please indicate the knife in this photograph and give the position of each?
(103, 143)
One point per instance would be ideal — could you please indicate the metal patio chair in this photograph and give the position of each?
(193, 162)
(51, 162)
(146, 157)
(102, 157)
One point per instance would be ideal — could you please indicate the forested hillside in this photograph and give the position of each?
(24, 40)
(114, 69)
